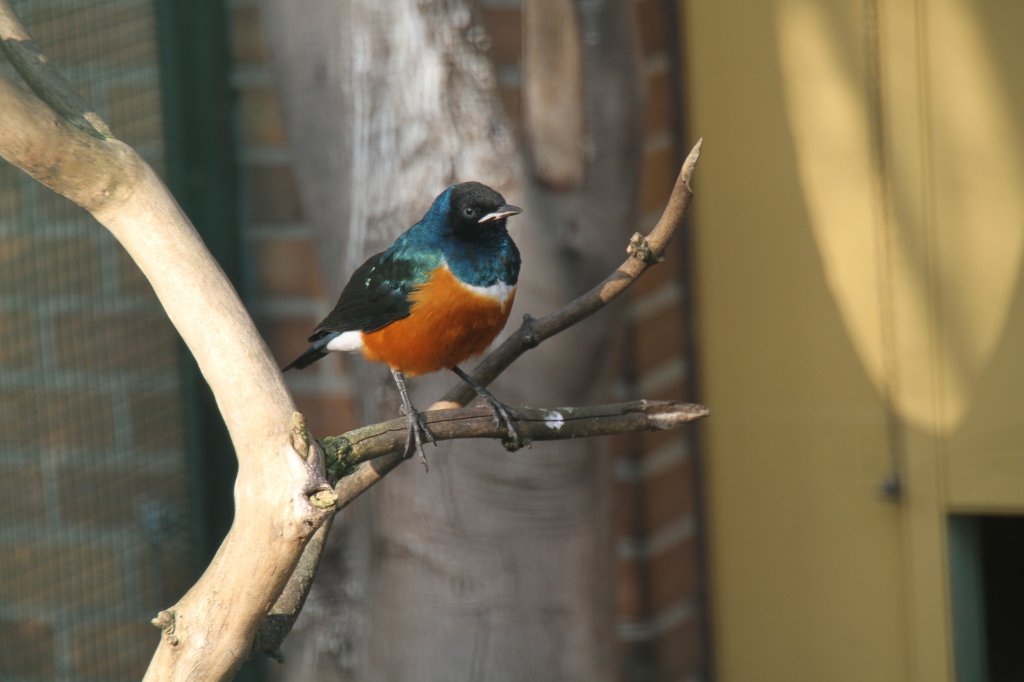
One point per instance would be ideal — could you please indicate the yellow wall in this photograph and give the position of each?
(859, 234)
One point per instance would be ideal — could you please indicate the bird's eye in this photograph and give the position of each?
(469, 212)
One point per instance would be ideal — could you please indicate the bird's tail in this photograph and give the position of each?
(312, 354)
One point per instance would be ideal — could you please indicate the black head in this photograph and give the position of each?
(477, 209)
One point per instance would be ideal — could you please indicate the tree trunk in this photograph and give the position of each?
(490, 566)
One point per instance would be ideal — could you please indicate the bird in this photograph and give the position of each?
(436, 297)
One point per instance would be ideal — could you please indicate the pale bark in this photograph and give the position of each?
(208, 629)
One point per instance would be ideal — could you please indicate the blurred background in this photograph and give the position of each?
(846, 298)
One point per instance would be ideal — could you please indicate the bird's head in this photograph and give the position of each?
(477, 210)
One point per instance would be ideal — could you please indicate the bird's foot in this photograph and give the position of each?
(416, 436)
(502, 412)
(503, 416)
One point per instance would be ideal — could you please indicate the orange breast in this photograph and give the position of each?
(448, 323)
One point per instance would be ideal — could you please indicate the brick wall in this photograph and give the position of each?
(657, 585)
(97, 518)
(285, 289)
(660, 569)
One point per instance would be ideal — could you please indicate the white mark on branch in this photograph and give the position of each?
(554, 420)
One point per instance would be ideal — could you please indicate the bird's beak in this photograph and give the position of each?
(503, 212)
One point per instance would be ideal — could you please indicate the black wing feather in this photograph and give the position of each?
(376, 295)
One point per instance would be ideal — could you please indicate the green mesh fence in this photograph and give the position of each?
(96, 525)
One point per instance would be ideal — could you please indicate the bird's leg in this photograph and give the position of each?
(502, 412)
(418, 432)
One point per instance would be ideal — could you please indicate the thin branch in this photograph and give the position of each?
(375, 441)
(358, 459)
(282, 615)
(644, 251)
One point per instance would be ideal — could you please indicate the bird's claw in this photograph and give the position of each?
(416, 435)
(503, 416)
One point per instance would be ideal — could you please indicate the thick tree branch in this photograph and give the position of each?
(87, 170)
(281, 494)
(48, 83)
